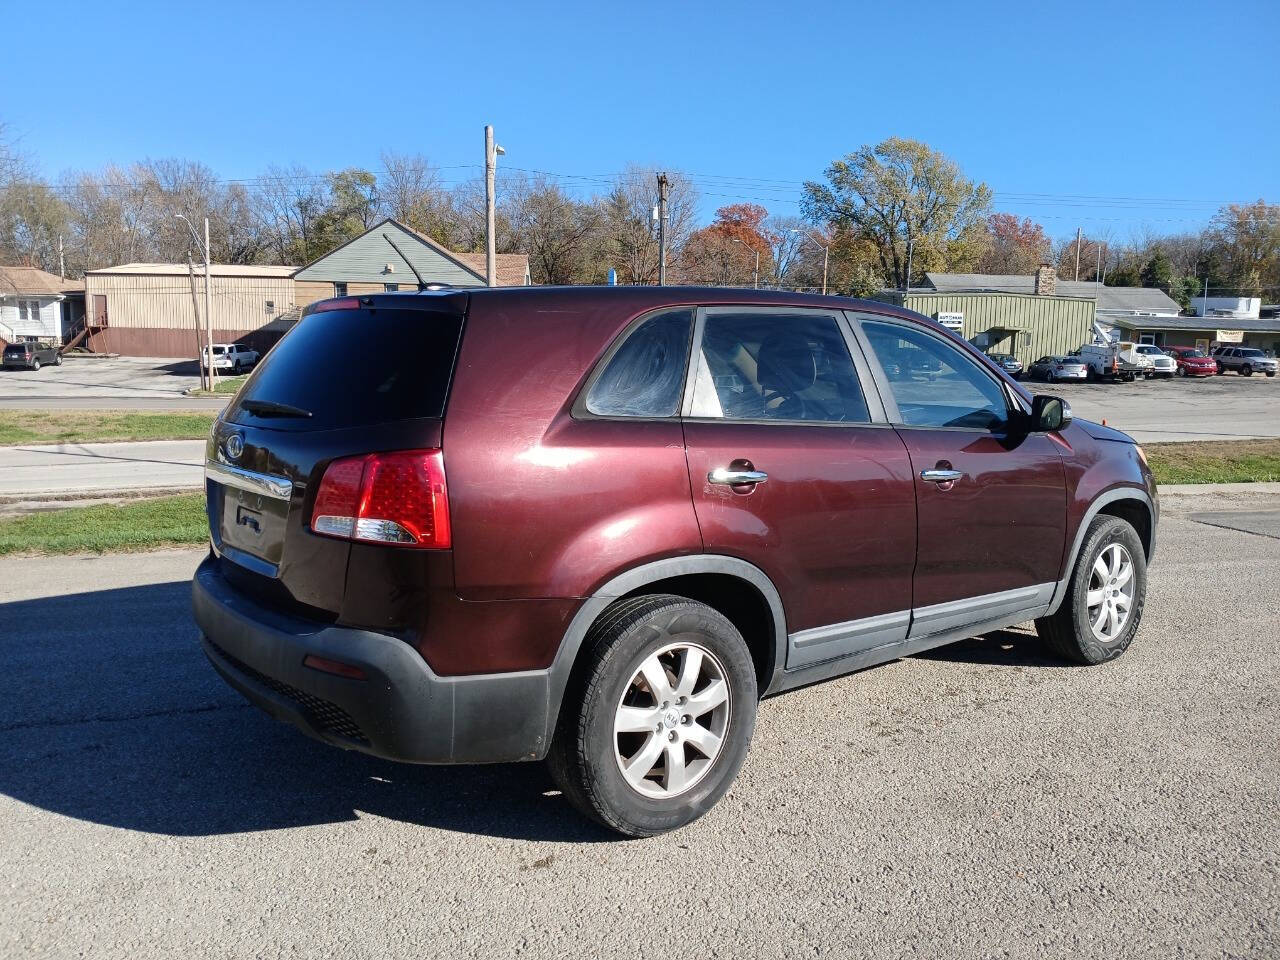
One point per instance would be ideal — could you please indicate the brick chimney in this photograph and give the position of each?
(1046, 281)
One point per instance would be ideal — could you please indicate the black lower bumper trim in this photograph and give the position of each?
(401, 711)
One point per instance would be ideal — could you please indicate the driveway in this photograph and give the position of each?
(978, 801)
(144, 383)
(1228, 407)
(70, 468)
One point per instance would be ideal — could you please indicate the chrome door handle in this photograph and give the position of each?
(941, 476)
(735, 477)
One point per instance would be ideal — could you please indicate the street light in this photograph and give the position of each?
(208, 282)
(755, 277)
(826, 255)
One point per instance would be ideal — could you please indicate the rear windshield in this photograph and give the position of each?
(314, 368)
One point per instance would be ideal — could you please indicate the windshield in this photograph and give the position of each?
(1147, 348)
(1192, 353)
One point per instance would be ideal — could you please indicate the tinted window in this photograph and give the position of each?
(645, 376)
(933, 383)
(758, 366)
(1249, 353)
(310, 369)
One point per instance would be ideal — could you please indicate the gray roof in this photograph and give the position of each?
(1139, 299)
(1193, 323)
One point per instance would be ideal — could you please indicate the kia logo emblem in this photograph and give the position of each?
(235, 446)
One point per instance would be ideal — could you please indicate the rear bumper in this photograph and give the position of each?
(401, 711)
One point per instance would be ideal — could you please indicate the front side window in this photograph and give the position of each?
(933, 383)
(645, 375)
(777, 366)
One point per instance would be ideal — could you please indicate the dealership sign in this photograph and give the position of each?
(952, 320)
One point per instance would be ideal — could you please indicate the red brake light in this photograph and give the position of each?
(394, 498)
(342, 303)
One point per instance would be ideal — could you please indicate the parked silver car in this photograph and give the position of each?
(1053, 369)
(1244, 361)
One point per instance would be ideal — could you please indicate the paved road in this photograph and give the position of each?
(1214, 408)
(980, 801)
(68, 468)
(132, 383)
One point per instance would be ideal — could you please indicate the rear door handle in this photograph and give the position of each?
(734, 478)
(941, 476)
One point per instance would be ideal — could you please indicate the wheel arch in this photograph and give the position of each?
(1130, 504)
(739, 590)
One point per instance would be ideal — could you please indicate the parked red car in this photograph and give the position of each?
(1192, 362)
(597, 525)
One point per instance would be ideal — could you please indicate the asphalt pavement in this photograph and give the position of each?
(76, 468)
(978, 801)
(1229, 407)
(118, 383)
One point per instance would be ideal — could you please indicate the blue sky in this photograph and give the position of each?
(1174, 108)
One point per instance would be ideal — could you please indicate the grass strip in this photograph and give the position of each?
(1215, 461)
(89, 426)
(137, 525)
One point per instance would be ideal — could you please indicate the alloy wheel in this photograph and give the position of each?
(671, 721)
(1110, 597)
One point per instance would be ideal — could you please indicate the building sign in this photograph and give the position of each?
(1230, 336)
(952, 321)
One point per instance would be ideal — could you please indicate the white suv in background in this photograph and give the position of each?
(230, 356)
(1162, 365)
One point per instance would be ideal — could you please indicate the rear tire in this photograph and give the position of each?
(57, 359)
(35, 364)
(613, 717)
(1111, 559)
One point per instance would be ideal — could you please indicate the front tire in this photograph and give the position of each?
(1246, 371)
(658, 717)
(1105, 597)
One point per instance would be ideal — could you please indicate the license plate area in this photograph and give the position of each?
(253, 524)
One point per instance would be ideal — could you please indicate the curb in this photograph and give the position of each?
(1209, 489)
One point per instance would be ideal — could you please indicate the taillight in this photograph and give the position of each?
(396, 498)
(341, 303)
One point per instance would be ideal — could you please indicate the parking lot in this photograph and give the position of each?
(115, 382)
(977, 801)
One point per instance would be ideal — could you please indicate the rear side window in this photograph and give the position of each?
(314, 368)
(777, 366)
(645, 375)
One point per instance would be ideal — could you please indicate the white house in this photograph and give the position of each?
(38, 305)
(1235, 308)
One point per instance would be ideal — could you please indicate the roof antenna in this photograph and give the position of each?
(422, 284)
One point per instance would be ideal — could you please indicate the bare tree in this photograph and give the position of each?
(554, 229)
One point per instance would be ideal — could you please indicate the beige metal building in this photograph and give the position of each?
(146, 309)
(1026, 325)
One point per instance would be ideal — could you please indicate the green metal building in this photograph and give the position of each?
(1028, 326)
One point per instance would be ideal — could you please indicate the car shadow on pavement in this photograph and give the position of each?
(110, 713)
(1000, 648)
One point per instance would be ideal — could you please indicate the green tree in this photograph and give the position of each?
(902, 191)
(1157, 271)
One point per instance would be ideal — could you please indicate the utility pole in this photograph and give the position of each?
(906, 287)
(195, 311)
(1079, 231)
(208, 313)
(1097, 271)
(62, 263)
(826, 257)
(491, 153)
(662, 229)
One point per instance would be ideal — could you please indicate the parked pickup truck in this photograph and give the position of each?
(1116, 361)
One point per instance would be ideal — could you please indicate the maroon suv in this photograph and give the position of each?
(597, 525)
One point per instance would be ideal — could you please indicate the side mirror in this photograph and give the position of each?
(1049, 413)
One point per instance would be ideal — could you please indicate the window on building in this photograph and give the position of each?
(391, 287)
(339, 289)
(269, 306)
(28, 309)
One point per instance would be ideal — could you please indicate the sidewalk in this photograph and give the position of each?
(73, 468)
